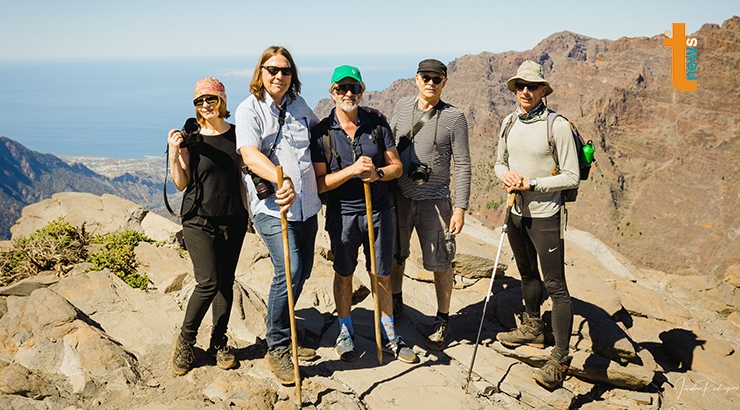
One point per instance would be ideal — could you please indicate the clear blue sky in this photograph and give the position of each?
(143, 28)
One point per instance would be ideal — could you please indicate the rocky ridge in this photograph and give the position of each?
(641, 338)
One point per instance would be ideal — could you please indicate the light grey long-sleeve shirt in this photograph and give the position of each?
(530, 156)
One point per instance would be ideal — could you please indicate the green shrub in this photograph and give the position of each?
(117, 254)
(56, 247)
(59, 246)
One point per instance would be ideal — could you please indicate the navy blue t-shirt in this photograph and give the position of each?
(349, 198)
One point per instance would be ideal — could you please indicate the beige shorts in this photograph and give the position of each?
(431, 219)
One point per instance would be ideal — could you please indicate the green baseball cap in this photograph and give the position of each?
(346, 71)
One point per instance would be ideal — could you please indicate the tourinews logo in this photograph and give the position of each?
(684, 65)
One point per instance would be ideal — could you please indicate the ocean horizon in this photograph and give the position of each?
(123, 108)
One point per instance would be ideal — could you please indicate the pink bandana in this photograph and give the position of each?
(209, 86)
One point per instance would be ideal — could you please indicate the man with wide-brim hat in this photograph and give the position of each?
(526, 167)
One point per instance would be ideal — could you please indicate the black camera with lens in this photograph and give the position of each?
(419, 172)
(190, 133)
(263, 187)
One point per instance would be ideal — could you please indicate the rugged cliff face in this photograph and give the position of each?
(669, 159)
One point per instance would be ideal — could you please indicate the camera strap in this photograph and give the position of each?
(164, 188)
(281, 122)
(423, 120)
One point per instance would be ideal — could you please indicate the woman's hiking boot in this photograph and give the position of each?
(182, 358)
(531, 332)
(552, 374)
(219, 348)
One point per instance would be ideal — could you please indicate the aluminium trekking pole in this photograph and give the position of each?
(373, 269)
(289, 286)
(510, 203)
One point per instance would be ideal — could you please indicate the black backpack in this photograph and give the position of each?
(584, 165)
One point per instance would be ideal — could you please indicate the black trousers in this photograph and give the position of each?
(533, 237)
(214, 244)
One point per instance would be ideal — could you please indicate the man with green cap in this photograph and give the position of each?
(349, 148)
(525, 166)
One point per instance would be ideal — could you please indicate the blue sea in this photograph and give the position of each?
(123, 108)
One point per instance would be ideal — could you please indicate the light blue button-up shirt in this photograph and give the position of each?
(257, 125)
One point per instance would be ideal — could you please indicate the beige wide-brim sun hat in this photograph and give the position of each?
(529, 72)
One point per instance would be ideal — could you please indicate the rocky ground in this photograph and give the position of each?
(641, 339)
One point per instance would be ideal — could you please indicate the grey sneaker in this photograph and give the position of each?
(400, 350)
(436, 340)
(182, 358)
(281, 365)
(345, 347)
(224, 358)
(531, 332)
(552, 374)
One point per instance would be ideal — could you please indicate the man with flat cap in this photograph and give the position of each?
(431, 137)
(349, 148)
(526, 165)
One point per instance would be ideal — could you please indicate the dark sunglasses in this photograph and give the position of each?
(287, 71)
(435, 79)
(354, 87)
(210, 99)
(530, 86)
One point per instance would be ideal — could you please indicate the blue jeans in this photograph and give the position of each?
(301, 240)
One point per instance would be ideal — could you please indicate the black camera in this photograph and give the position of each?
(190, 133)
(263, 187)
(419, 173)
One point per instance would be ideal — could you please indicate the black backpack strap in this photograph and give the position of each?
(327, 141)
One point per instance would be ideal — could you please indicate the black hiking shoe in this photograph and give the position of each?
(281, 364)
(531, 332)
(224, 358)
(182, 358)
(437, 339)
(552, 374)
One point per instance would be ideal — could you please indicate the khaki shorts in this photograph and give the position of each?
(431, 219)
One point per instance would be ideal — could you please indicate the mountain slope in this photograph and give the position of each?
(670, 160)
(28, 177)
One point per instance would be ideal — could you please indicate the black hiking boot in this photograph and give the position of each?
(182, 358)
(437, 339)
(531, 332)
(552, 374)
(219, 348)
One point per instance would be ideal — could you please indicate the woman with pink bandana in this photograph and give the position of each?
(214, 220)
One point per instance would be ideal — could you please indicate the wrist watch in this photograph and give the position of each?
(380, 172)
(532, 184)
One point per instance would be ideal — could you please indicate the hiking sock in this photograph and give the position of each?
(443, 316)
(345, 325)
(387, 322)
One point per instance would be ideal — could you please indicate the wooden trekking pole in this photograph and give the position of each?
(373, 269)
(289, 285)
(510, 203)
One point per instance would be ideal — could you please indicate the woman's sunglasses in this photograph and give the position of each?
(208, 99)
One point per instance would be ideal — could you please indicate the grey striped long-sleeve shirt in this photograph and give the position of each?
(451, 130)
